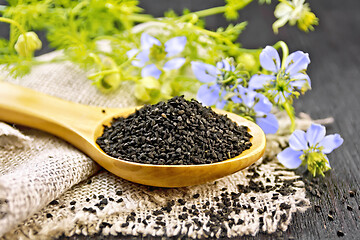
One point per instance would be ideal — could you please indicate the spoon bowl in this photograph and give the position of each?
(81, 125)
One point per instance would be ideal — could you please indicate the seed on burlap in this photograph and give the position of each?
(54, 202)
(72, 202)
(119, 192)
(176, 132)
(49, 215)
(348, 207)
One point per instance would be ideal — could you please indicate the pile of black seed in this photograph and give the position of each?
(176, 132)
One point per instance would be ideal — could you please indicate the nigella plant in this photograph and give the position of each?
(255, 106)
(218, 80)
(309, 149)
(284, 80)
(223, 88)
(154, 57)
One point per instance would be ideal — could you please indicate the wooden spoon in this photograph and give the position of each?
(81, 125)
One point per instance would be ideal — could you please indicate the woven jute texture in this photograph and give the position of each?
(48, 188)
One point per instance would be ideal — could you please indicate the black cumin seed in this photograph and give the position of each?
(285, 206)
(196, 195)
(49, 215)
(125, 224)
(119, 192)
(101, 196)
(352, 193)
(348, 207)
(340, 233)
(54, 202)
(72, 202)
(103, 111)
(330, 217)
(104, 201)
(89, 181)
(87, 199)
(317, 208)
(120, 200)
(72, 208)
(185, 133)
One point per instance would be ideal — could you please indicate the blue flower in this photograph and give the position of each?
(258, 108)
(218, 79)
(283, 80)
(310, 148)
(153, 51)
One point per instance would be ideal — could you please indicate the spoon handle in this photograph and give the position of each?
(64, 119)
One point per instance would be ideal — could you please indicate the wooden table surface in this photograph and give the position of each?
(334, 49)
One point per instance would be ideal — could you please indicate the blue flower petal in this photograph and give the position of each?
(315, 134)
(175, 46)
(220, 104)
(148, 41)
(259, 80)
(269, 124)
(330, 142)
(174, 63)
(236, 99)
(263, 105)
(301, 79)
(296, 62)
(151, 71)
(224, 65)
(290, 158)
(204, 72)
(297, 140)
(270, 59)
(208, 95)
(328, 162)
(131, 53)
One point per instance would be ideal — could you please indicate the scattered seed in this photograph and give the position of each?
(317, 208)
(330, 217)
(49, 215)
(348, 207)
(89, 181)
(54, 202)
(340, 233)
(72, 202)
(197, 195)
(119, 192)
(352, 193)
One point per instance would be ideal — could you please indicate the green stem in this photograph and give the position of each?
(105, 72)
(285, 51)
(141, 18)
(214, 11)
(290, 112)
(15, 23)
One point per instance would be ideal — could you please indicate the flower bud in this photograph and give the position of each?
(248, 61)
(112, 80)
(28, 47)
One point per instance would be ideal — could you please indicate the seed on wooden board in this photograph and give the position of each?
(352, 193)
(176, 132)
(340, 233)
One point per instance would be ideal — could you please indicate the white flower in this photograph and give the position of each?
(294, 11)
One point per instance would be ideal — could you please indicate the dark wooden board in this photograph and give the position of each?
(334, 50)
